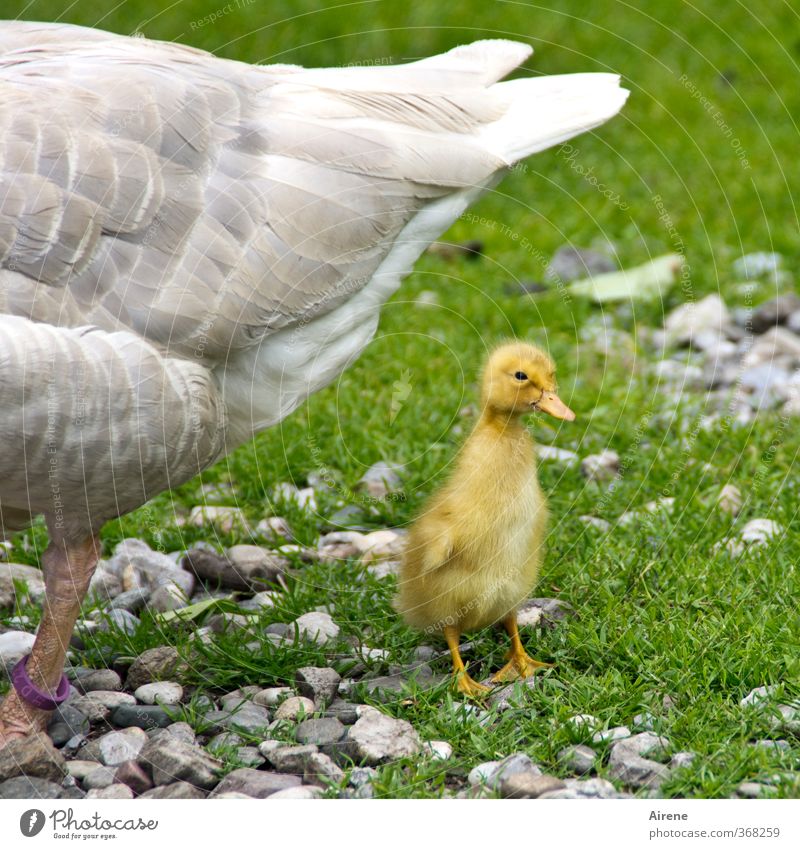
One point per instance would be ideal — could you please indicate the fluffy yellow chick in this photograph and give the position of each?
(473, 555)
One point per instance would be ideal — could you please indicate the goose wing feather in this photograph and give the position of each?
(205, 203)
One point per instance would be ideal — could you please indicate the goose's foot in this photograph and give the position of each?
(520, 665)
(19, 719)
(469, 687)
(39, 683)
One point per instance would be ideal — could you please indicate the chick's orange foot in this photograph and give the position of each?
(469, 687)
(520, 665)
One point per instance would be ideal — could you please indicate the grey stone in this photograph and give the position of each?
(99, 777)
(594, 788)
(756, 264)
(759, 696)
(753, 790)
(140, 716)
(91, 710)
(30, 787)
(260, 601)
(350, 516)
(774, 745)
(272, 696)
(320, 732)
(14, 645)
(176, 790)
(481, 773)
(180, 731)
(220, 743)
(170, 760)
(132, 600)
(345, 712)
(611, 735)
(681, 759)
(160, 693)
(294, 708)
(438, 750)
(317, 627)
(571, 263)
(267, 747)
(320, 684)
(595, 522)
(629, 765)
(303, 792)
(168, 597)
(643, 744)
(248, 573)
(79, 769)
(290, 758)
(687, 321)
(33, 756)
(774, 312)
(65, 722)
(248, 717)
(601, 467)
(86, 680)
(255, 783)
(119, 620)
(321, 771)
(116, 747)
(132, 775)
(113, 791)
(158, 664)
(275, 528)
(101, 701)
(644, 722)
(380, 479)
(583, 722)
(578, 759)
(759, 531)
(376, 738)
(19, 584)
(250, 756)
(543, 612)
(513, 764)
(528, 785)
(362, 776)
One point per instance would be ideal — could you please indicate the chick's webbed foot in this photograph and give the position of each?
(520, 665)
(469, 686)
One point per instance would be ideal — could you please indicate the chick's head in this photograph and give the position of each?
(520, 378)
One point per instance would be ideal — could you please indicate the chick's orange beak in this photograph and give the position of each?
(551, 404)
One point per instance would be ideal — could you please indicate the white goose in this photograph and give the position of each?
(190, 246)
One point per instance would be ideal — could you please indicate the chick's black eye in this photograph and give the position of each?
(520, 375)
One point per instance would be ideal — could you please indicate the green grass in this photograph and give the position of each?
(658, 612)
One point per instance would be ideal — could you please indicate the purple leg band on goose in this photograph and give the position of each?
(32, 694)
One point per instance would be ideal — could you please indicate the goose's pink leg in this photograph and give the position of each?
(68, 568)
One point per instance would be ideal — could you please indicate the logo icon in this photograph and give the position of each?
(31, 822)
(401, 389)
